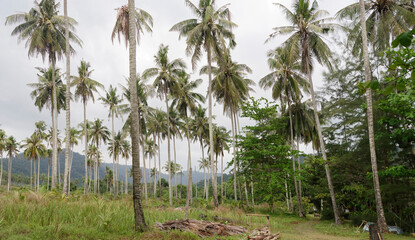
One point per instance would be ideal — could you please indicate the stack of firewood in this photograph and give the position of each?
(263, 234)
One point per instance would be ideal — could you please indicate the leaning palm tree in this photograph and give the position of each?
(230, 87)
(113, 101)
(2, 148)
(99, 134)
(165, 73)
(131, 26)
(85, 87)
(44, 30)
(209, 30)
(185, 101)
(287, 83)
(307, 27)
(12, 146)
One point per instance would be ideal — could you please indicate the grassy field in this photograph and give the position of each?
(29, 215)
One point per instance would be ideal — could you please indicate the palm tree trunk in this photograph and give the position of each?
(196, 182)
(86, 150)
(9, 175)
(252, 192)
(168, 146)
(214, 187)
(59, 169)
(140, 224)
(181, 184)
(145, 169)
(337, 218)
(90, 176)
(48, 174)
(38, 173)
(175, 165)
(70, 170)
(300, 207)
(246, 192)
(205, 189)
(114, 167)
(31, 173)
(159, 172)
(221, 178)
(379, 206)
(66, 184)
(54, 127)
(1, 170)
(34, 177)
(286, 194)
(155, 171)
(126, 178)
(96, 172)
(300, 189)
(234, 156)
(189, 169)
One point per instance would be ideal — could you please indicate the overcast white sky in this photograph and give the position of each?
(96, 18)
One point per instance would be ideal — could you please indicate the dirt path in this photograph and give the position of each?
(306, 230)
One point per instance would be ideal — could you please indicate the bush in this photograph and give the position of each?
(366, 215)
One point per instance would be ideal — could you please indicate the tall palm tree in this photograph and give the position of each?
(99, 134)
(176, 125)
(75, 134)
(12, 146)
(165, 74)
(44, 30)
(209, 30)
(384, 20)
(287, 83)
(2, 148)
(204, 164)
(113, 101)
(307, 27)
(159, 123)
(150, 152)
(126, 153)
(85, 87)
(33, 150)
(131, 26)
(115, 148)
(185, 101)
(40, 132)
(221, 139)
(230, 87)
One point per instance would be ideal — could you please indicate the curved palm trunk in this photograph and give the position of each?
(300, 206)
(189, 169)
(140, 224)
(9, 175)
(86, 150)
(175, 164)
(54, 127)
(168, 146)
(379, 206)
(323, 147)
(214, 187)
(66, 181)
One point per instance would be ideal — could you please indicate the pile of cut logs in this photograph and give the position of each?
(263, 234)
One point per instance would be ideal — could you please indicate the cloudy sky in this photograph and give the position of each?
(96, 18)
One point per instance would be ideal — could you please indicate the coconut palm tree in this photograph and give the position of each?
(176, 124)
(185, 101)
(75, 134)
(44, 30)
(115, 148)
(165, 73)
(40, 132)
(126, 153)
(2, 148)
(159, 123)
(209, 30)
(33, 150)
(287, 83)
(113, 101)
(204, 164)
(131, 26)
(99, 134)
(221, 140)
(307, 27)
(85, 87)
(384, 20)
(12, 146)
(200, 127)
(230, 87)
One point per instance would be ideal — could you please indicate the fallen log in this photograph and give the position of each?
(202, 228)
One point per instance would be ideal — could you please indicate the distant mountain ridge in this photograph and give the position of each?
(22, 166)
